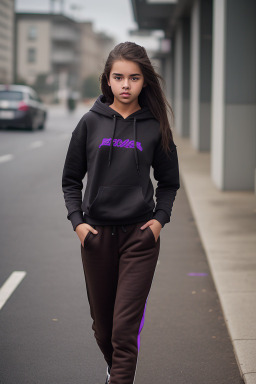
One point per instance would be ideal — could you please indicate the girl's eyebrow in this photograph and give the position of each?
(120, 74)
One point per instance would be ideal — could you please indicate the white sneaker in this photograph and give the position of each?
(108, 375)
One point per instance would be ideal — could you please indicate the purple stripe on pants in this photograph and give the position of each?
(141, 325)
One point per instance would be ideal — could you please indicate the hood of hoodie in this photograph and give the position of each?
(102, 108)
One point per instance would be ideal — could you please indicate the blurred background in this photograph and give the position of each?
(205, 51)
(60, 46)
(52, 53)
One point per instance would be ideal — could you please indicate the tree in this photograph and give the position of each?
(20, 81)
(43, 85)
(91, 86)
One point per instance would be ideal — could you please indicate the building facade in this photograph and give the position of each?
(48, 44)
(7, 17)
(94, 48)
(59, 49)
(211, 75)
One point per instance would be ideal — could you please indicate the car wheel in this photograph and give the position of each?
(32, 126)
(42, 125)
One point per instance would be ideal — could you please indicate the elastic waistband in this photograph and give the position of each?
(123, 227)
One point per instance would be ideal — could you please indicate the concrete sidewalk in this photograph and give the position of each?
(226, 222)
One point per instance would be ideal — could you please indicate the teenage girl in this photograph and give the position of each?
(118, 223)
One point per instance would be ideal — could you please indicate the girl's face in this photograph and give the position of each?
(126, 81)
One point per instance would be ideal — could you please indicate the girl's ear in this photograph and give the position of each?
(144, 85)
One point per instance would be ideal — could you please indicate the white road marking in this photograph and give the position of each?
(5, 158)
(10, 285)
(36, 144)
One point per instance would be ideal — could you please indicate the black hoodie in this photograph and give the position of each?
(119, 190)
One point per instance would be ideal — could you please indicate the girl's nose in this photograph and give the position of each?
(126, 84)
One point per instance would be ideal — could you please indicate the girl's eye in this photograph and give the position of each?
(119, 78)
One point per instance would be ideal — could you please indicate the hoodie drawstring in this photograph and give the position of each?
(114, 229)
(135, 146)
(111, 144)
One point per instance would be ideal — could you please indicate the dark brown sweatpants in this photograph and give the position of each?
(119, 264)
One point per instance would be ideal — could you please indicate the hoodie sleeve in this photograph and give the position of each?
(75, 168)
(166, 172)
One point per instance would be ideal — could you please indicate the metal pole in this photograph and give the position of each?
(62, 6)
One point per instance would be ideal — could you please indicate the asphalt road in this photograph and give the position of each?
(45, 325)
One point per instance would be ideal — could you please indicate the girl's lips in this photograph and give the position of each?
(125, 94)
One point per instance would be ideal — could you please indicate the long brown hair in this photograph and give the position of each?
(152, 95)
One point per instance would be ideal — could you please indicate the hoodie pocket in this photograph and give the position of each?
(118, 202)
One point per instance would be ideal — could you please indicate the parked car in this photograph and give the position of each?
(20, 107)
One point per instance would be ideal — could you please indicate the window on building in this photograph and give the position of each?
(32, 32)
(31, 55)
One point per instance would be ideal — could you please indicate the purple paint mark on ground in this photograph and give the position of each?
(197, 274)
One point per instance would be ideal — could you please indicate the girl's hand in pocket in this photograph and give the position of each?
(155, 227)
(82, 231)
